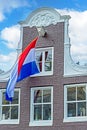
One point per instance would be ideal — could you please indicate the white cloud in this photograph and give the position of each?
(78, 34)
(7, 61)
(7, 6)
(11, 36)
(2, 17)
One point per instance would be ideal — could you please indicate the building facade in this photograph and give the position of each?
(56, 98)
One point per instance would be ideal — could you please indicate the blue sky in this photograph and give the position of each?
(13, 11)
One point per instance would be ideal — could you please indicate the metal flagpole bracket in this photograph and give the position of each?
(41, 31)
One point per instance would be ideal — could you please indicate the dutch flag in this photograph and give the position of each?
(24, 67)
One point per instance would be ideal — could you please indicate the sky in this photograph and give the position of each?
(13, 11)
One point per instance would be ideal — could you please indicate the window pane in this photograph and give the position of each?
(48, 55)
(39, 59)
(41, 106)
(14, 112)
(81, 93)
(37, 112)
(3, 99)
(37, 96)
(47, 112)
(82, 109)
(71, 94)
(71, 109)
(47, 95)
(8, 110)
(48, 60)
(5, 112)
(48, 66)
(15, 98)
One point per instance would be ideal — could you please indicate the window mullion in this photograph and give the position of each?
(10, 111)
(0, 104)
(43, 62)
(65, 102)
(33, 104)
(42, 104)
(86, 99)
(76, 102)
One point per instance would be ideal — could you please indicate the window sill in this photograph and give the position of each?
(9, 122)
(41, 123)
(43, 74)
(75, 119)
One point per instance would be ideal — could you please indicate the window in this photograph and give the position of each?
(75, 102)
(41, 106)
(44, 59)
(9, 111)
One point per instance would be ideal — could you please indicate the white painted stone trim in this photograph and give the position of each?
(43, 17)
(71, 69)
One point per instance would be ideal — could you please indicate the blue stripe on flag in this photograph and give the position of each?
(27, 70)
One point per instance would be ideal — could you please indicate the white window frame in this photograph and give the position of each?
(77, 118)
(44, 73)
(41, 122)
(10, 121)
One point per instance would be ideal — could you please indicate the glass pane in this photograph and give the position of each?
(48, 66)
(3, 99)
(71, 94)
(48, 60)
(71, 109)
(37, 112)
(81, 93)
(48, 55)
(15, 98)
(47, 95)
(82, 109)
(39, 59)
(37, 96)
(5, 112)
(14, 112)
(47, 112)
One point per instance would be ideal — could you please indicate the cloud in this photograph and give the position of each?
(2, 17)
(8, 5)
(7, 61)
(11, 36)
(78, 34)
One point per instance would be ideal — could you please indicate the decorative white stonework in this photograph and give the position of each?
(43, 17)
(70, 68)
